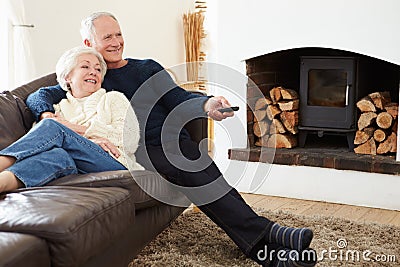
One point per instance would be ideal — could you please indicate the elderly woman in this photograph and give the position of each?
(92, 131)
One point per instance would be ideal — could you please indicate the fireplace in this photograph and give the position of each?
(329, 82)
(352, 76)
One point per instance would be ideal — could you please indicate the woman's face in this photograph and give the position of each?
(85, 77)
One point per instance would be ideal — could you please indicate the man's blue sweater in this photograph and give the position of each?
(161, 106)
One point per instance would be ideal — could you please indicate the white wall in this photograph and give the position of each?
(251, 28)
(151, 28)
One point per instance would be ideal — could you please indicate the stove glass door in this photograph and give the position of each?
(327, 87)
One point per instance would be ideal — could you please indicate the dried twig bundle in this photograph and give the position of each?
(193, 35)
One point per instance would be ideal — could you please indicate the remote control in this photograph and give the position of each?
(230, 109)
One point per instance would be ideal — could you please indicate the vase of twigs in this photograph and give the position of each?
(193, 35)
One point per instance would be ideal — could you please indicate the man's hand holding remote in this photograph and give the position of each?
(215, 105)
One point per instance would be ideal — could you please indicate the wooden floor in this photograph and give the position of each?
(306, 207)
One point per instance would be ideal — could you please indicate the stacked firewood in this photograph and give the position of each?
(377, 125)
(276, 119)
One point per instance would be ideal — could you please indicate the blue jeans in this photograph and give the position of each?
(51, 150)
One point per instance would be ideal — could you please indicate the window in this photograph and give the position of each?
(4, 32)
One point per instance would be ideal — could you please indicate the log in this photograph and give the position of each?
(262, 141)
(260, 128)
(250, 115)
(394, 126)
(368, 147)
(279, 111)
(366, 105)
(272, 111)
(275, 94)
(260, 114)
(276, 127)
(364, 135)
(393, 138)
(262, 103)
(389, 145)
(384, 120)
(289, 94)
(380, 99)
(290, 120)
(366, 119)
(393, 109)
(289, 105)
(282, 141)
(380, 135)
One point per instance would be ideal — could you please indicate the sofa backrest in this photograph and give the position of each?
(15, 117)
(24, 90)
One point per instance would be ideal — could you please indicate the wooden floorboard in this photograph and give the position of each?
(322, 208)
(307, 207)
(353, 212)
(252, 199)
(297, 206)
(271, 204)
(396, 220)
(378, 216)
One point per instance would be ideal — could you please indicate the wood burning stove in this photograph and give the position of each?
(327, 97)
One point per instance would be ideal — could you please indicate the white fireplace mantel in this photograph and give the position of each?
(251, 28)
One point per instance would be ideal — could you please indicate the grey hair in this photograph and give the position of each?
(69, 60)
(87, 27)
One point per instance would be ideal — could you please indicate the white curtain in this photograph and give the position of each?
(21, 67)
(4, 28)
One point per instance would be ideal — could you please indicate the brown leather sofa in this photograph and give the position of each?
(98, 219)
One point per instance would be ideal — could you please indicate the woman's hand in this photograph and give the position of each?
(79, 129)
(106, 145)
(47, 114)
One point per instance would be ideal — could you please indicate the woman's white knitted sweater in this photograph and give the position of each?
(107, 115)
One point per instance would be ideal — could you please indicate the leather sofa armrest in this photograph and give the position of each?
(197, 129)
(120, 178)
(146, 182)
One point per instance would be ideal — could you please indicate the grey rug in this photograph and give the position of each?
(194, 240)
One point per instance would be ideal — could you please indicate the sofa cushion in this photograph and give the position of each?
(15, 118)
(19, 250)
(76, 222)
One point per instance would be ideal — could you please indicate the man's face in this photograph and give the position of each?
(108, 41)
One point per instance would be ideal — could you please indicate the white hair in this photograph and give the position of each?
(69, 60)
(87, 27)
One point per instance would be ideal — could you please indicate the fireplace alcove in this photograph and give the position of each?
(324, 145)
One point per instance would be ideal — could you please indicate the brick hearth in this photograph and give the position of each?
(340, 159)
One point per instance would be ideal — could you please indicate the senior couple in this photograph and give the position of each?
(82, 121)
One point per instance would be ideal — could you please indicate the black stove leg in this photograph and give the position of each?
(302, 138)
(350, 140)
